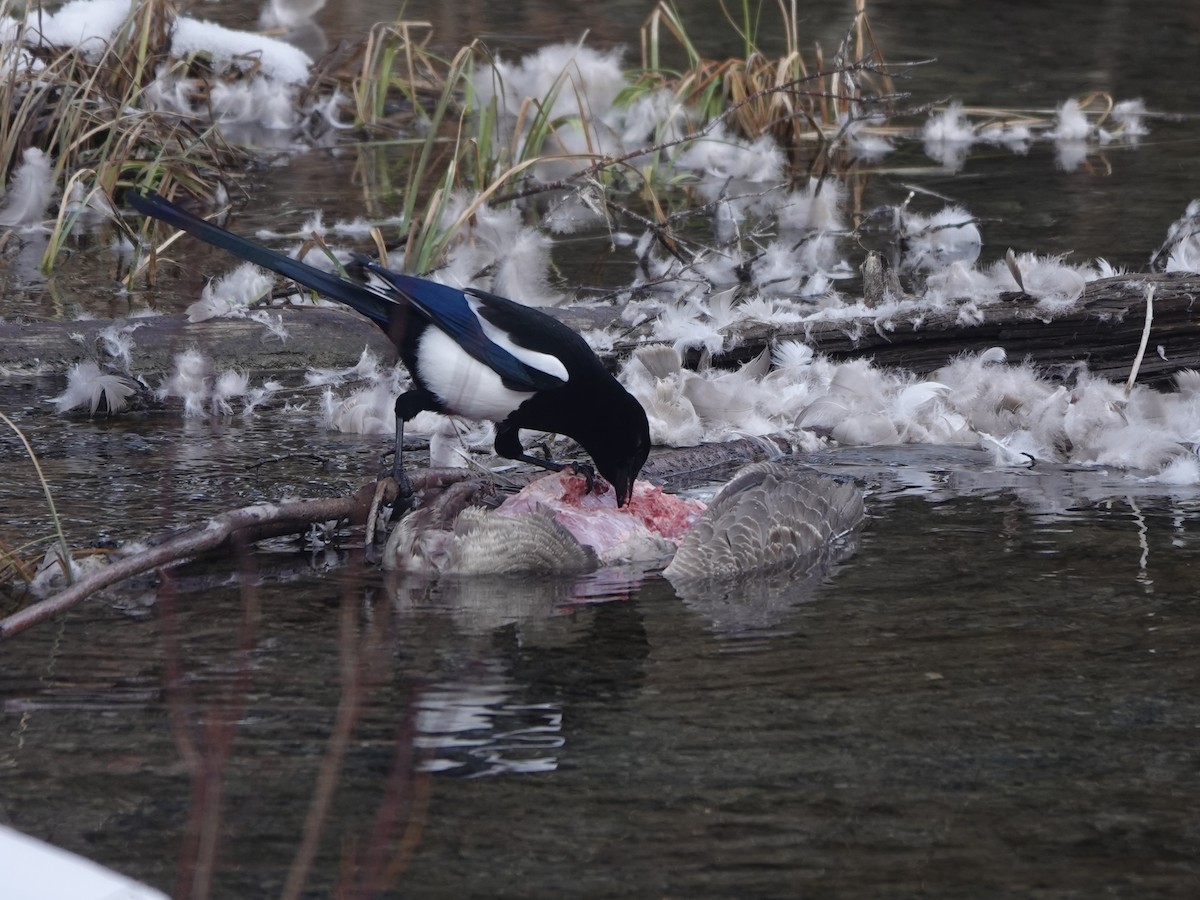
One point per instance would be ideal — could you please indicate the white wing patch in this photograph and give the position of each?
(543, 362)
(464, 384)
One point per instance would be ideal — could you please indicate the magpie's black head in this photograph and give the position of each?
(621, 448)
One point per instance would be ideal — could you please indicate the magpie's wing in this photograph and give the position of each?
(449, 310)
(375, 307)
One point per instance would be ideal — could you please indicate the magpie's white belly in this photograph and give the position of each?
(463, 384)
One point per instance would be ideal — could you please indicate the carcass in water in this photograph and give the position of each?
(769, 517)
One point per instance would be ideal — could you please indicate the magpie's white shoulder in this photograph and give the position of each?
(534, 329)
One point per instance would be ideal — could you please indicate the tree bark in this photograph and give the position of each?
(1103, 329)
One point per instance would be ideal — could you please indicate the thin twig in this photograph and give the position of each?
(1137, 360)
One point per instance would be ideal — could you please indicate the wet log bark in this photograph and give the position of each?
(324, 338)
(1103, 330)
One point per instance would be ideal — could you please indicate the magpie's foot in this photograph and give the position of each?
(587, 472)
(406, 497)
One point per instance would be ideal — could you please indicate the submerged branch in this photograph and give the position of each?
(250, 523)
(681, 468)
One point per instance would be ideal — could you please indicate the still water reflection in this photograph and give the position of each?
(996, 694)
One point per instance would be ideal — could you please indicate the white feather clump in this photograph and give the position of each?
(258, 102)
(452, 440)
(191, 381)
(572, 83)
(853, 410)
(1070, 123)
(117, 340)
(1056, 284)
(576, 211)
(769, 310)
(88, 386)
(811, 224)
(368, 368)
(499, 253)
(652, 118)
(1021, 417)
(963, 283)
(1104, 269)
(1182, 246)
(862, 144)
(950, 235)
(729, 165)
(366, 410)
(950, 126)
(685, 407)
(445, 450)
(653, 375)
(1016, 137)
(229, 384)
(948, 136)
(288, 13)
(273, 324)
(194, 380)
(975, 400)
(88, 25)
(689, 324)
(779, 270)
(564, 70)
(1070, 134)
(1129, 115)
(816, 207)
(227, 50)
(29, 192)
(255, 397)
(231, 295)
(369, 409)
(1183, 470)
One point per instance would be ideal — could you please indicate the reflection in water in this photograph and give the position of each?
(755, 607)
(996, 696)
(472, 727)
(885, 730)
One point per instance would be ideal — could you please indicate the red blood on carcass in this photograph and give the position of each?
(597, 522)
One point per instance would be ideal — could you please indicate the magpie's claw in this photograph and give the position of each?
(587, 472)
(406, 497)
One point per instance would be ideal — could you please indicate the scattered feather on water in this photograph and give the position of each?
(30, 190)
(88, 386)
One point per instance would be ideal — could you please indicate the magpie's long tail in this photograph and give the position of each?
(374, 306)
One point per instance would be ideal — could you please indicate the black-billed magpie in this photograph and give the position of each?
(472, 354)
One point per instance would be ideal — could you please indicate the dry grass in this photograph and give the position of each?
(88, 113)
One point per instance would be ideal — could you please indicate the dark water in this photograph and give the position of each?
(997, 695)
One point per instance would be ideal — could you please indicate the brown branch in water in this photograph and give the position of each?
(249, 524)
(676, 468)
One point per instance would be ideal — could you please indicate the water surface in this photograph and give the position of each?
(996, 695)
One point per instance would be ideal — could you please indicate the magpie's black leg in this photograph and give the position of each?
(508, 445)
(408, 405)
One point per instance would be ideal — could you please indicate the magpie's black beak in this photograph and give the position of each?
(622, 483)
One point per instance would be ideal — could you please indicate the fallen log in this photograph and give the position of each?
(311, 337)
(1103, 329)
